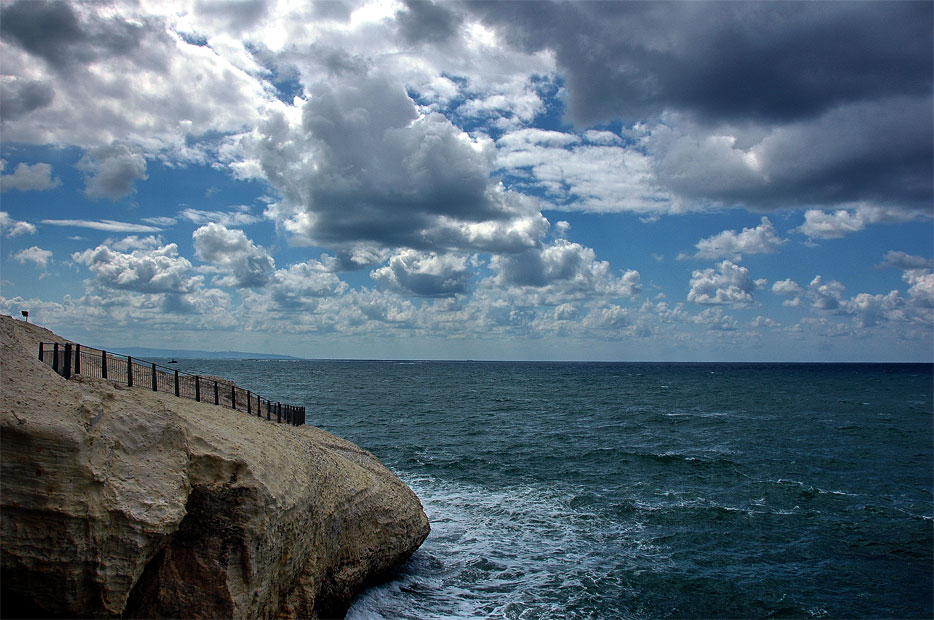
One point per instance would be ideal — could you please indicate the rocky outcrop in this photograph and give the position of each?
(120, 501)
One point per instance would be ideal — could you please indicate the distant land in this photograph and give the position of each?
(144, 352)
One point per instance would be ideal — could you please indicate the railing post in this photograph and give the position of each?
(55, 357)
(176, 382)
(77, 359)
(155, 386)
(41, 345)
(66, 366)
(104, 364)
(198, 388)
(249, 402)
(129, 371)
(216, 398)
(233, 397)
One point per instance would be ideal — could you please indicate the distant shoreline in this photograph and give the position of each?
(145, 352)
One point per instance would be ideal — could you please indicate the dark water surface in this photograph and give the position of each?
(566, 490)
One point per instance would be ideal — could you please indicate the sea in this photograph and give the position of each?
(640, 490)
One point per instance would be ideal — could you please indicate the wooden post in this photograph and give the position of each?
(233, 397)
(249, 402)
(198, 388)
(55, 357)
(66, 366)
(279, 415)
(216, 398)
(155, 386)
(268, 407)
(176, 383)
(77, 359)
(104, 364)
(129, 371)
(41, 344)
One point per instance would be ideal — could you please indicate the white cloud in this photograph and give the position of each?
(728, 244)
(29, 177)
(424, 274)
(903, 260)
(787, 287)
(842, 222)
(157, 270)
(589, 173)
(825, 295)
(110, 171)
(560, 272)
(247, 264)
(34, 255)
(13, 228)
(729, 284)
(239, 216)
(105, 225)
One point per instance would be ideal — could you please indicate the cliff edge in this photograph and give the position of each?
(119, 501)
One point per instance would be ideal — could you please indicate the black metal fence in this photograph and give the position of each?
(72, 359)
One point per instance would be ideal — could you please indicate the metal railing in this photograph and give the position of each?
(72, 359)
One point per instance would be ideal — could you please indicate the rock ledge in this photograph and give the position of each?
(119, 501)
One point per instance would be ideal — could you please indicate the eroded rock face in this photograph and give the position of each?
(120, 501)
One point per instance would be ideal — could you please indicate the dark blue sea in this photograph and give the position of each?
(574, 490)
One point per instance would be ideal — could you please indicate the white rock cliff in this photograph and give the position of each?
(120, 501)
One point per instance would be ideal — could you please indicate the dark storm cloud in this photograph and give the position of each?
(53, 31)
(424, 21)
(19, 98)
(723, 61)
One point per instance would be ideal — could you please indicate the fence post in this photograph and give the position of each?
(55, 357)
(155, 387)
(77, 359)
(104, 364)
(176, 383)
(249, 403)
(129, 371)
(233, 397)
(216, 399)
(66, 366)
(198, 388)
(268, 407)
(41, 344)
(278, 415)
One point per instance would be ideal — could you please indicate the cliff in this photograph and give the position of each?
(120, 501)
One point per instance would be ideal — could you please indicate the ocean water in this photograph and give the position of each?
(571, 490)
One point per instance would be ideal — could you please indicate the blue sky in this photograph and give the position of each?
(483, 180)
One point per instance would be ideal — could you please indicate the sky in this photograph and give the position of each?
(535, 180)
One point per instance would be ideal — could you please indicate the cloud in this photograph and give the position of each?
(13, 228)
(19, 97)
(303, 285)
(111, 171)
(425, 21)
(903, 260)
(248, 265)
(240, 216)
(581, 173)
(105, 225)
(825, 295)
(34, 255)
(560, 272)
(728, 284)
(29, 177)
(787, 287)
(728, 244)
(635, 60)
(157, 270)
(424, 274)
(364, 167)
